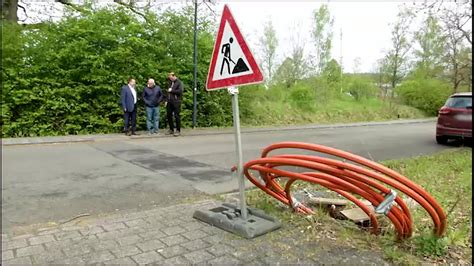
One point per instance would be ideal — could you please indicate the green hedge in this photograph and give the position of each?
(427, 94)
(65, 78)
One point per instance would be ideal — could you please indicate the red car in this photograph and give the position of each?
(455, 118)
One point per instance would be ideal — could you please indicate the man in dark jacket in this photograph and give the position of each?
(173, 107)
(128, 100)
(152, 96)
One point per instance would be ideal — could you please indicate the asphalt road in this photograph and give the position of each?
(52, 182)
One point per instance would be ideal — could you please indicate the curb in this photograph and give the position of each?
(204, 132)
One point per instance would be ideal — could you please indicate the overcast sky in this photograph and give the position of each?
(365, 26)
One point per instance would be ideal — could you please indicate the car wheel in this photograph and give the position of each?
(441, 140)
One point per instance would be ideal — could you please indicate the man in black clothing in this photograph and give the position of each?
(173, 107)
(152, 96)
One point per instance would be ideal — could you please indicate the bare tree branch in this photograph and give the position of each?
(131, 8)
(75, 7)
(24, 11)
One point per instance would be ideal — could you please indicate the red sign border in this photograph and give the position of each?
(253, 78)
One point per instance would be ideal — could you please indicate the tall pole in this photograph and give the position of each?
(341, 59)
(195, 65)
(234, 92)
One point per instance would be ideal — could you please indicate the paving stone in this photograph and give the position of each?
(88, 239)
(129, 240)
(30, 250)
(173, 251)
(214, 239)
(133, 216)
(152, 235)
(194, 225)
(69, 260)
(148, 257)
(47, 231)
(104, 244)
(121, 261)
(98, 257)
(18, 261)
(173, 240)
(212, 230)
(187, 217)
(58, 244)
(198, 256)
(180, 260)
(137, 223)
(125, 251)
(76, 250)
(238, 242)
(172, 222)
(133, 231)
(26, 236)
(196, 244)
(7, 255)
(250, 256)
(67, 235)
(225, 260)
(195, 234)
(71, 228)
(124, 217)
(18, 243)
(174, 230)
(48, 256)
(92, 230)
(41, 239)
(151, 245)
(110, 235)
(220, 249)
(114, 226)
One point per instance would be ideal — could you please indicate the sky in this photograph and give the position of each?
(365, 27)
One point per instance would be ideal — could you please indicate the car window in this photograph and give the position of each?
(459, 102)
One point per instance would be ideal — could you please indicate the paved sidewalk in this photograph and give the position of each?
(171, 236)
(194, 132)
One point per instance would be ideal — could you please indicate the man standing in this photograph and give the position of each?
(152, 96)
(175, 93)
(128, 97)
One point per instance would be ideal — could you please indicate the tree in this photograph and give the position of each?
(322, 37)
(356, 65)
(431, 42)
(64, 77)
(294, 67)
(465, 62)
(269, 43)
(332, 73)
(396, 58)
(454, 20)
(457, 13)
(10, 10)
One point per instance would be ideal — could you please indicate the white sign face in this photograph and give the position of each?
(231, 61)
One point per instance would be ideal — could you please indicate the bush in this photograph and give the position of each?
(303, 96)
(65, 77)
(361, 88)
(427, 95)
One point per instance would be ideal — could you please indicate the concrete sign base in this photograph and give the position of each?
(227, 217)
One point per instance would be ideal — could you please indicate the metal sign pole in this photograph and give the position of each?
(234, 91)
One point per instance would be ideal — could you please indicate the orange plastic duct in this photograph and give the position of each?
(354, 178)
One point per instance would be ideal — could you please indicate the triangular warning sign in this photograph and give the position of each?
(232, 62)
